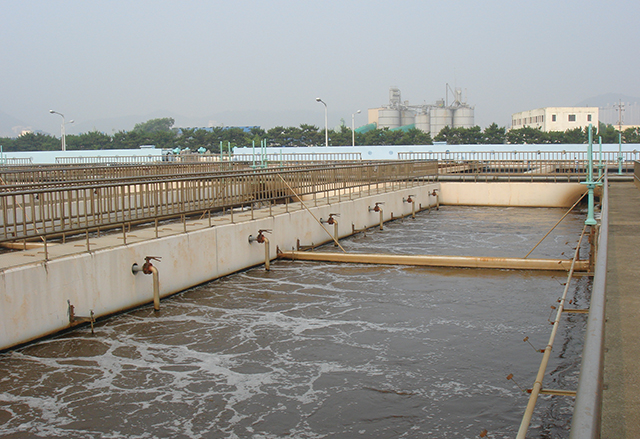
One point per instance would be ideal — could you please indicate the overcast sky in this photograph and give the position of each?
(105, 59)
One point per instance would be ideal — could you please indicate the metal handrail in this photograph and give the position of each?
(588, 406)
(50, 174)
(608, 156)
(537, 386)
(41, 213)
(62, 177)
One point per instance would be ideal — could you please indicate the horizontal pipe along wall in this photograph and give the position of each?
(35, 297)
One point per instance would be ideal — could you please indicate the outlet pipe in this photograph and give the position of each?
(332, 220)
(377, 208)
(148, 268)
(261, 239)
(410, 199)
(435, 194)
(156, 288)
(267, 261)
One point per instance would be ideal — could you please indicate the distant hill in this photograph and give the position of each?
(10, 126)
(606, 100)
(264, 119)
(609, 113)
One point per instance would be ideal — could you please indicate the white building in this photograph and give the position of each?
(556, 118)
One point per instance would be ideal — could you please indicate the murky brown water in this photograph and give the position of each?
(323, 350)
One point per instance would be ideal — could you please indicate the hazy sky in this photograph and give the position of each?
(104, 59)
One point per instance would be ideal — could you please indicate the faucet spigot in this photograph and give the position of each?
(376, 208)
(409, 199)
(260, 238)
(146, 267)
(331, 220)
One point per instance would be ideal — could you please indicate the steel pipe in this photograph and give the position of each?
(439, 261)
(156, 288)
(537, 385)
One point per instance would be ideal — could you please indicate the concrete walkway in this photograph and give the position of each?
(621, 400)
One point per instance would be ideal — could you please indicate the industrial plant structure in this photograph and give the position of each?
(556, 118)
(428, 118)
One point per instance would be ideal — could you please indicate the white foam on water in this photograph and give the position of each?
(315, 350)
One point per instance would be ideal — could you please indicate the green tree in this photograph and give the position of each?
(556, 137)
(445, 135)
(415, 136)
(608, 133)
(375, 137)
(630, 135)
(34, 142)
(154, 125)
(526, 135)
(310, 135)
(494, 135)
(576, 135)
(90, 140)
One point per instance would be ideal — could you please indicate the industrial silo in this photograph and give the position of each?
(407, 117)
(389, 118)
(423, 122)
(463, 117)
(440, 118)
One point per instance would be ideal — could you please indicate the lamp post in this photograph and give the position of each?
(326, 125)
(353, 128)
(62, 133)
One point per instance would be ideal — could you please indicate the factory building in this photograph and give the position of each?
(556, 118)
(428, 118)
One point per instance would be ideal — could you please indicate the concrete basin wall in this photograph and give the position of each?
(524, 194)
(35, 296)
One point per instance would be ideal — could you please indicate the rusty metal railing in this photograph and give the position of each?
(300, 157)
(519, 155)
(522, 162)
(47, 212)
(66, 174)
(15, 161)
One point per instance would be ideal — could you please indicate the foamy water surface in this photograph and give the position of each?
(315, 350)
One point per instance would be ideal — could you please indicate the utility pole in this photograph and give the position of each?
(620, 108)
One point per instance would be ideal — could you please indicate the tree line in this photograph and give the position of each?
(162, 134)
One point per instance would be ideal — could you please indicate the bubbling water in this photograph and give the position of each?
(311, 350)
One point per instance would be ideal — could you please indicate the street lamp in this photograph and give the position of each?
(353, 128)
(64, 144)
(326, 126)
